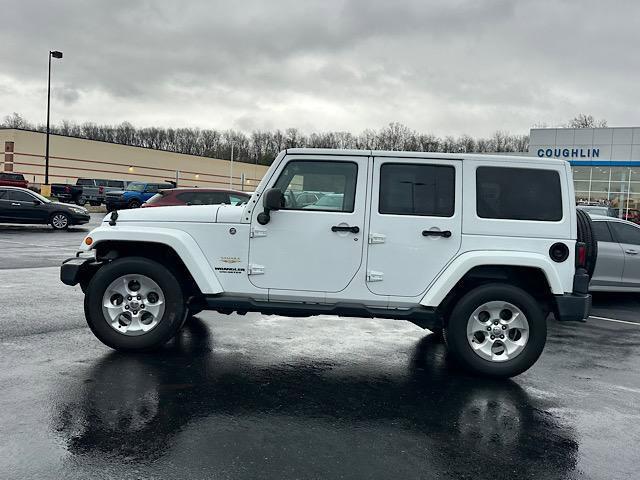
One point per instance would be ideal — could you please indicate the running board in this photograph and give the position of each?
(423, 317)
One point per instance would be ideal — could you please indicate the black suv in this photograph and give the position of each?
(19, 205)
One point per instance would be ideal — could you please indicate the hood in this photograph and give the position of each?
(193, 213)
(69, 205)
(115, 193)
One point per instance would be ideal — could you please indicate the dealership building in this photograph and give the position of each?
(71, 158)
(605, 161)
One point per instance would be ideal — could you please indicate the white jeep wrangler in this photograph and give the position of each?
(480, 247)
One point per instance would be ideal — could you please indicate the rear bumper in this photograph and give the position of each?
(573, 307)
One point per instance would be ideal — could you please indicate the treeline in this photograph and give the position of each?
(262, 146)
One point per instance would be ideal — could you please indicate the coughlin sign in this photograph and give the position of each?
(569, 152)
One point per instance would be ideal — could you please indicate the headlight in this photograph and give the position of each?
(78, 210)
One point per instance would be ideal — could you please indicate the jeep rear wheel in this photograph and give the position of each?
(134, 304)
(496, 330)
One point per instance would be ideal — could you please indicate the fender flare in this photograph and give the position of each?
(180, 241)
(459, 267)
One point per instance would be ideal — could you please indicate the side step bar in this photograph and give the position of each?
(421, 316)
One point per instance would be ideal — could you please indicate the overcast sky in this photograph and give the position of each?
(447, 67)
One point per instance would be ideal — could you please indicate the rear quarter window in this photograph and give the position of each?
(518, 194)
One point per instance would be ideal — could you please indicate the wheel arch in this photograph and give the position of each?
(175, 249)
(531, 272)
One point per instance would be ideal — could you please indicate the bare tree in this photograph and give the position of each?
(586, 121)
(263, 146)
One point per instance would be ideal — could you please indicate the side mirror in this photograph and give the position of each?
(37, 202)
(273, 200)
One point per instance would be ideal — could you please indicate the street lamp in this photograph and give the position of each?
(54, 54)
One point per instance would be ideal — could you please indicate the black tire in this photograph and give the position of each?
(455, 332)
(172, 318)
(436, 334)
(134, 204)
(81, 200)
(59, 221)
(586, 236)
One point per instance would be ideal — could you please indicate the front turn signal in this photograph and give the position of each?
(88, 240)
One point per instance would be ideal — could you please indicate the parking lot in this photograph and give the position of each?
(277, 397)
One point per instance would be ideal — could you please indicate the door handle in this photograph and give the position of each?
(338, 228)
(631, 251)
(436, 233)
(15, 204)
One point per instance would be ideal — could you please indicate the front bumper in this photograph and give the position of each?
(79, 218)
(75, 270)
(116, 203)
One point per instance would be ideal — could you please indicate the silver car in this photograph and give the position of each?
(618, 263)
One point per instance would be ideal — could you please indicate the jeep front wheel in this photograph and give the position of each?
(496, 330)
(134, 304)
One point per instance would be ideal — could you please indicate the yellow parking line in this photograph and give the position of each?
(615, 320)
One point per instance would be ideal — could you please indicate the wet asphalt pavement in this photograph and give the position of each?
(277, 397)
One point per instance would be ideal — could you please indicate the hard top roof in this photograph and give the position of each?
(425, 155)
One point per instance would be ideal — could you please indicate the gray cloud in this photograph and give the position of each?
(449, 67)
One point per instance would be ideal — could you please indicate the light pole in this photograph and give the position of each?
(231, 169)
(54, 54)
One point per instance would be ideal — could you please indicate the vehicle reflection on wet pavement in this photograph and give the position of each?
(191, 406)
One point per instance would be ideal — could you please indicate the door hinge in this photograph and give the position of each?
(377, 238)
(258, 232)
(256, 269)
(373, 276)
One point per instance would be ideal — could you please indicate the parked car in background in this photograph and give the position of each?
(599, 210)
(618, 263)
(95, 189)
(8, 179)
(19, 205)
(308, 198)
(330, 201)
(67, 193)
(134, 195)
(196, 196)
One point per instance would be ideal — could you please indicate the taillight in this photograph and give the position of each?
(100, 190)
(67, 189)
(581, 255)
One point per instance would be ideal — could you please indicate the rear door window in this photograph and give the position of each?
(115, 183)
(18, 196)
(85, 182)
(518, 194)
(410, 189)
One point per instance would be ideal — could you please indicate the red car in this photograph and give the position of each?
(196, 196)
(13, 180)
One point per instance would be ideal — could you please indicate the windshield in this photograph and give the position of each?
(40, 197)
(135, 187)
